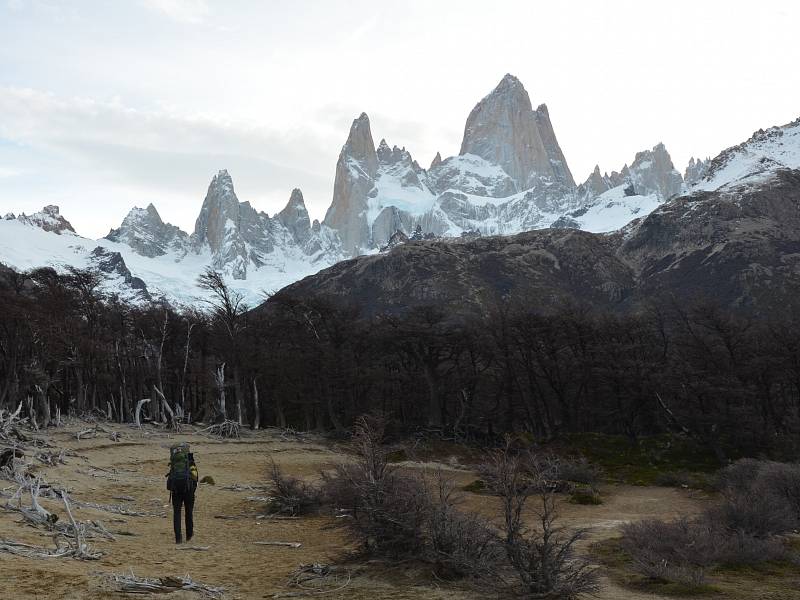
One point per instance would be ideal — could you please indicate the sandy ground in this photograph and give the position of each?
(135, 467)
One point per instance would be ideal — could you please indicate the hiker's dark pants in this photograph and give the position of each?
(186, 498)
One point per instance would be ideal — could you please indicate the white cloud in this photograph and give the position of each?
(183, 11)
(6, 172)
(166, 157)
(144, 108)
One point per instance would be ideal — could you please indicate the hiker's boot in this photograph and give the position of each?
(178, 539)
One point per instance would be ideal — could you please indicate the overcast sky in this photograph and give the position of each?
(107, 105)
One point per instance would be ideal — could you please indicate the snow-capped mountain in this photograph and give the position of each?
(510, 176)
(49, 219)
(757, 159)
(146, 259)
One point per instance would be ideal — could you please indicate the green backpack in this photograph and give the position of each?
(182, 470)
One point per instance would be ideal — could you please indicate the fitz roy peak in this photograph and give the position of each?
(510, 176)
(504, 130)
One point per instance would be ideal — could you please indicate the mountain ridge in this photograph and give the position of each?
(383, 197)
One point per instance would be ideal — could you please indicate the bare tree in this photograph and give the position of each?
(228, 309)
(543, 556)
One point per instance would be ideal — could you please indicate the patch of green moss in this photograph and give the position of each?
(397, 456)
(760, 571)
(476, 487)
(675, 589)
(585, 496)
(644, 462)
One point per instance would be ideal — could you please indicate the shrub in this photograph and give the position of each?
(674, 479)
(759, 497)
(585, 495)
(679, 551)
(759, 502)
(290, 495)
(543, 559)
(556, 474)
(461, 544)
(475, 487)
(387, 509)
(682, 551)
(399, 516)
(579, 471)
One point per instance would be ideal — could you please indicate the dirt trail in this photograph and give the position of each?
(135, 467)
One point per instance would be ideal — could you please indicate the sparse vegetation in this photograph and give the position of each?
(542, 557)
(289, 495)
(743, 529)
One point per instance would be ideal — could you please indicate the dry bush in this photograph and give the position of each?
(679, 551)
(759, 502)
(291, 496)
(387, 509)
(542, 558)
(683, 550)
(760, 498)
(553, 473)
(460, 544)
(399, 516)
(579, 471)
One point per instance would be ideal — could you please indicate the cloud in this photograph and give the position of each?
(6, 172)
(166, 156)
(192, 12)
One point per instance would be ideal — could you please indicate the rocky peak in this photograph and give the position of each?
(147, 215)
(384, 152)
(596, 183)
(437, 160)
(355, 178)
(295, 217)
(504, 129)
(143, 230)
(695, 170)
(220, 212)
(359, 146)
(49, 219)
(652, 172)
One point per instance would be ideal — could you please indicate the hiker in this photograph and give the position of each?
(182, 483)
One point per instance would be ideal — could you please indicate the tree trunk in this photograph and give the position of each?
(239, 395)
(256, 405)
(280, 416)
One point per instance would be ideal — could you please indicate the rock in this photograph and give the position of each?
(355, 177)
(144, 231)
(234, 232)
(695, 170)
(113, 266)
(652, 172)
(295, 217)
(49, 219)
(504, 129)
(396, 239)
(437, 160)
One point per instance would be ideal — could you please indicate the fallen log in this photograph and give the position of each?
(288, 544)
